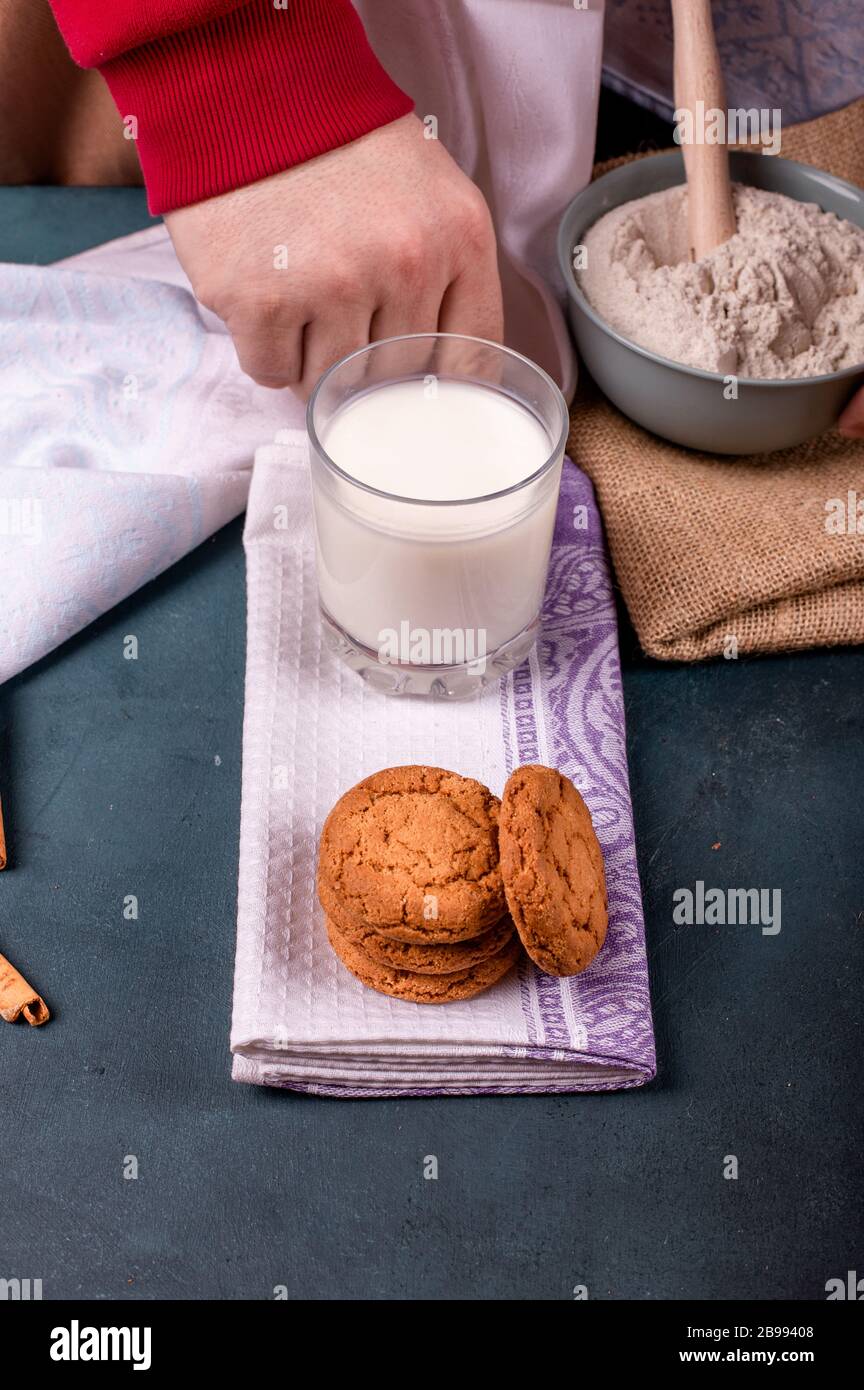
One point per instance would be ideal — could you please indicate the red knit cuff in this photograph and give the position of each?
(248, 95)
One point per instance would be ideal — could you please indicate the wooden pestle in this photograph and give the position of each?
(699, 78)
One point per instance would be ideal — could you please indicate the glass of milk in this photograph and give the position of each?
(436, 461)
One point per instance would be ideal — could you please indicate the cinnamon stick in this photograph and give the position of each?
(2, 840)
(18, 999)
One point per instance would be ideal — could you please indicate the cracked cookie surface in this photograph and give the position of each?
(413, 853)
(423, 958)
(552, 867)
(423, 989)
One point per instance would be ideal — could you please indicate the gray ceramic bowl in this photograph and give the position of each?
(681, 403)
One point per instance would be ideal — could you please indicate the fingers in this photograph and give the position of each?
(408, 313)
(851, 422)
(268, 339)
(278, 345)
(473, 303)
(326, 340)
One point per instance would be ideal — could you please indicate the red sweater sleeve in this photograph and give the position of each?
(225, 92)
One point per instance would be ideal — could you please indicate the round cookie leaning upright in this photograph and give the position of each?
(552, 867)
(413, 853)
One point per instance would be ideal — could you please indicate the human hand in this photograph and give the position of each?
(380, 237)
(852, 420)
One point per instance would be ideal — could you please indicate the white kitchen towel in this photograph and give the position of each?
(127, 433)
(312, 729)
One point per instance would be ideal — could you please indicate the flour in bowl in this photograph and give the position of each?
(783, 298)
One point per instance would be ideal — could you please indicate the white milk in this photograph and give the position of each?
(396, 566)
(445, 441)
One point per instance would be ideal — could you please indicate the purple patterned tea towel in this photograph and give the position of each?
(312, 729)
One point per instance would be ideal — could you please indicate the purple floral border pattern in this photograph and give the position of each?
(577, 702)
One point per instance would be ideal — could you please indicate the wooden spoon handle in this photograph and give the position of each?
(699, 77)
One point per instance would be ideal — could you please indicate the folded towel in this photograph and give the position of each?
(312, 729)
(709, 549)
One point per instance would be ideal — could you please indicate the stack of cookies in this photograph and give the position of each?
(432, 887)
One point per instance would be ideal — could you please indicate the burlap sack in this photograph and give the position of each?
(723, 556)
